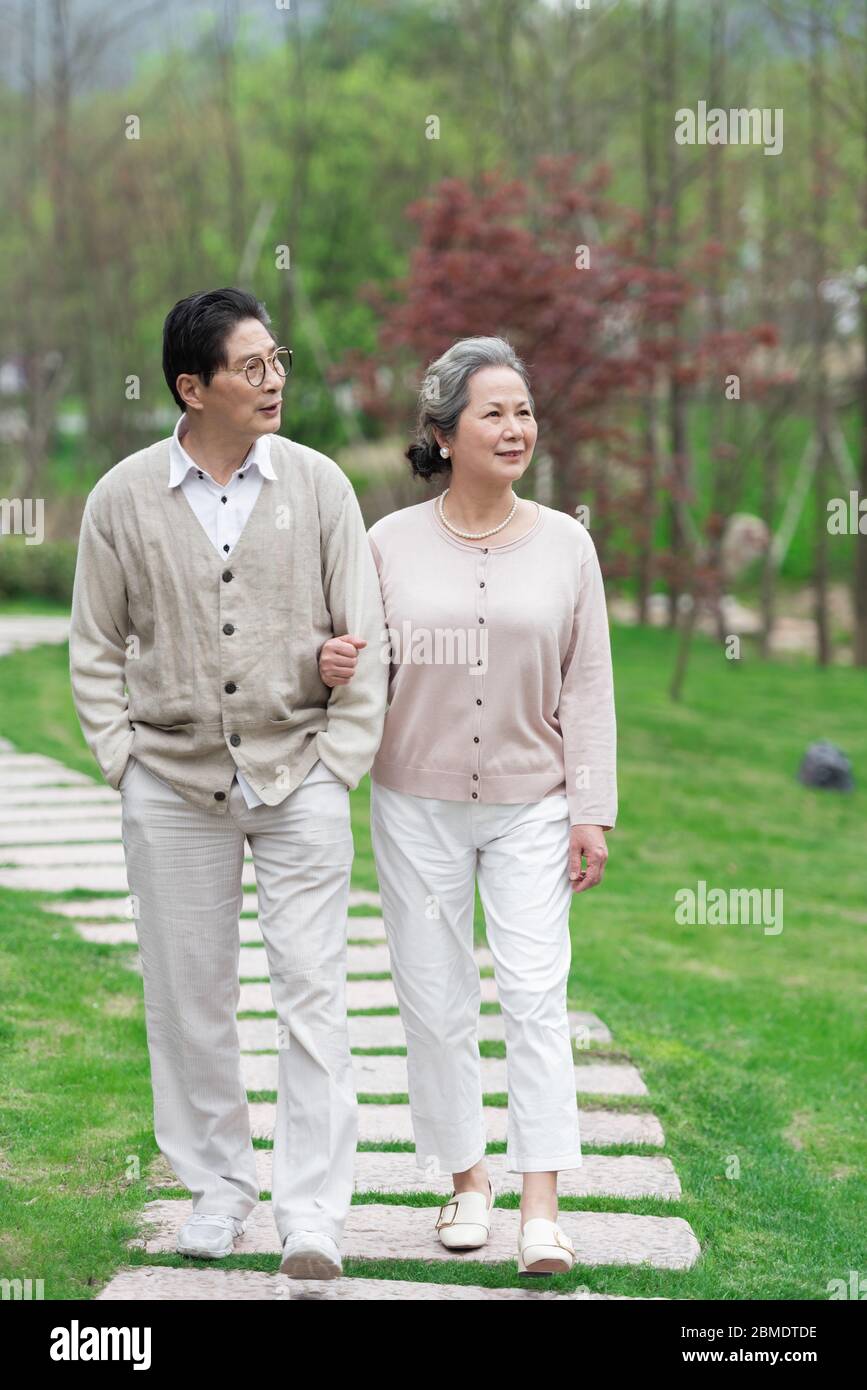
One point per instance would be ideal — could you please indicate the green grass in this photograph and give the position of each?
(76, 1119)
(751, 1044)
(34, 603)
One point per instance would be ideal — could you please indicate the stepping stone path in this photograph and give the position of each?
(59, 830)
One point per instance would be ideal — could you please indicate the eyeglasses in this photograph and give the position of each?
(254, 368)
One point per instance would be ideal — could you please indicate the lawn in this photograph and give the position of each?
(751, 1042)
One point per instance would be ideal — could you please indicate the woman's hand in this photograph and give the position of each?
(588, 840)
(339, 658)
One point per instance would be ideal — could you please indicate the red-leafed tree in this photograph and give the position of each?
(561, 272)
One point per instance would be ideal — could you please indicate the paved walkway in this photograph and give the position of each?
(59, 830)
(17, 633)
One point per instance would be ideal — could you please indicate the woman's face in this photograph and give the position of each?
(496, 431)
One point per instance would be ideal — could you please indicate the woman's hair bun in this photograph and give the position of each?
(445, 394)
(426, 460)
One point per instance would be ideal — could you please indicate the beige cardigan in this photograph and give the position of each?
(501, 686)
(198, 664)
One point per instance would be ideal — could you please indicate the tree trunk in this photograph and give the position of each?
(860, 575)
(769, 451)
(821, 404)
(720, 465)
(678, 541)
(233, 144)
(650, 408)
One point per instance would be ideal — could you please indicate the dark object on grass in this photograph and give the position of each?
(826, 765)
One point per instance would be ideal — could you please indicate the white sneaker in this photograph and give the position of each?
(311, 1255)
(209, 1236)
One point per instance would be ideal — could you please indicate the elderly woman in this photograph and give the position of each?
(497, 766)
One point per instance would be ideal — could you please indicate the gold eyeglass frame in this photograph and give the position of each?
(236, 371)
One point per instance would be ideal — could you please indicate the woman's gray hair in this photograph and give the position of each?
(445, 393)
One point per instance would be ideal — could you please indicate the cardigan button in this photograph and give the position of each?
(230, 688)
(235, 739)
(475, 740)
(481, 620)
(227, 575)
(475, 796)
(475, 777)
(219, 796)
(228, 628)
(478, 702)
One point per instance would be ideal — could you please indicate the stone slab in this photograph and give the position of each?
(16, 762)
(627, 1176)
(393, 1232)
(28, 626)
(362, 897)
(357, 898)
(108, 933)
(56, 775)
(160, 1283)
(366, 929)
(388, 1075)
(360, 994)
(94, 852)
(69, 833)
(386, 1030)
(360, 960)
(57, 803)
(88, 878)
(115, 909)
(388, 1124)
(124, 933)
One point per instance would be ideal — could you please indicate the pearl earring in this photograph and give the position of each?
(444, 453)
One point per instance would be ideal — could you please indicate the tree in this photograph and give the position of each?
(575, 295)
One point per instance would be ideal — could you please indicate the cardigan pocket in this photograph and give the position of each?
(305, 716)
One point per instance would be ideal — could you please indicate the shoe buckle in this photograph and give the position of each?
(566, 1244)
(443, 1210)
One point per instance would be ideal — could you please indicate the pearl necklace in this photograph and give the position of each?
(473, 535)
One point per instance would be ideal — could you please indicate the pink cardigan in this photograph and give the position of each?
(500, 679)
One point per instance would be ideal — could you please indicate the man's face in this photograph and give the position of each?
(230, 402)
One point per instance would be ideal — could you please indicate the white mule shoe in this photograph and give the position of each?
(468, 1222)
(543, 1248)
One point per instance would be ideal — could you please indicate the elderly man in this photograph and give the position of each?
(212, 567)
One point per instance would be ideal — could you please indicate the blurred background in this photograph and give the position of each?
(388, 176)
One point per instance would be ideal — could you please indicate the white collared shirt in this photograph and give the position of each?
(222, 510)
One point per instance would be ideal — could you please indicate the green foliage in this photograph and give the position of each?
(42, 571)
